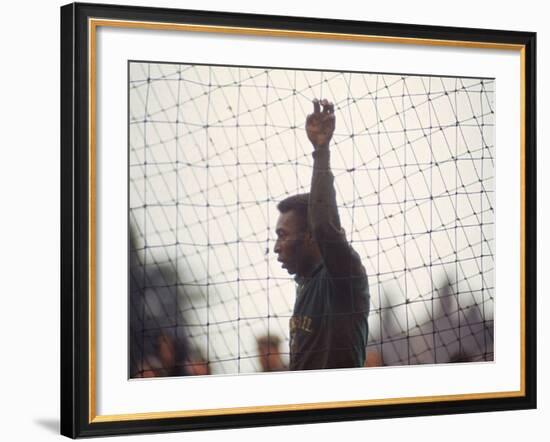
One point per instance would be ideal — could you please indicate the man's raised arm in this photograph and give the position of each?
(324, 222)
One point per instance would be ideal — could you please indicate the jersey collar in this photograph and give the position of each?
(303, 279)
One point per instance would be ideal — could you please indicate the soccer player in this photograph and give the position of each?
(328, 327)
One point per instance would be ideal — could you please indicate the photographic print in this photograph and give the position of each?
(295, 215)
(285, 219)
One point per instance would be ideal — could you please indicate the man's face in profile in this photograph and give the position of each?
(290, 246)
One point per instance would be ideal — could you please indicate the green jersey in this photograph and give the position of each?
(329, 327)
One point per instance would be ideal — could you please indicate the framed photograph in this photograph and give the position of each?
(273, 220)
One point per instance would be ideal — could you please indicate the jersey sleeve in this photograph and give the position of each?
(342, 262)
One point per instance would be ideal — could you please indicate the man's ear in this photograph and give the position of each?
(309, 236)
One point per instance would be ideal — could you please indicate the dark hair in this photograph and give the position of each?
(297, 203)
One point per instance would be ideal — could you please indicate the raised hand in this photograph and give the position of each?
(320, 124)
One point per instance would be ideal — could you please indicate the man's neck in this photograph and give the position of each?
(311, 269)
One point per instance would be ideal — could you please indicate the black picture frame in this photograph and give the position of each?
(77, 248)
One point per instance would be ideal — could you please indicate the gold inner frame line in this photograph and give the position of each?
(93, 24)
(299, 34)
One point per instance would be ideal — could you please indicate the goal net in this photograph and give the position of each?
(213, 149)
